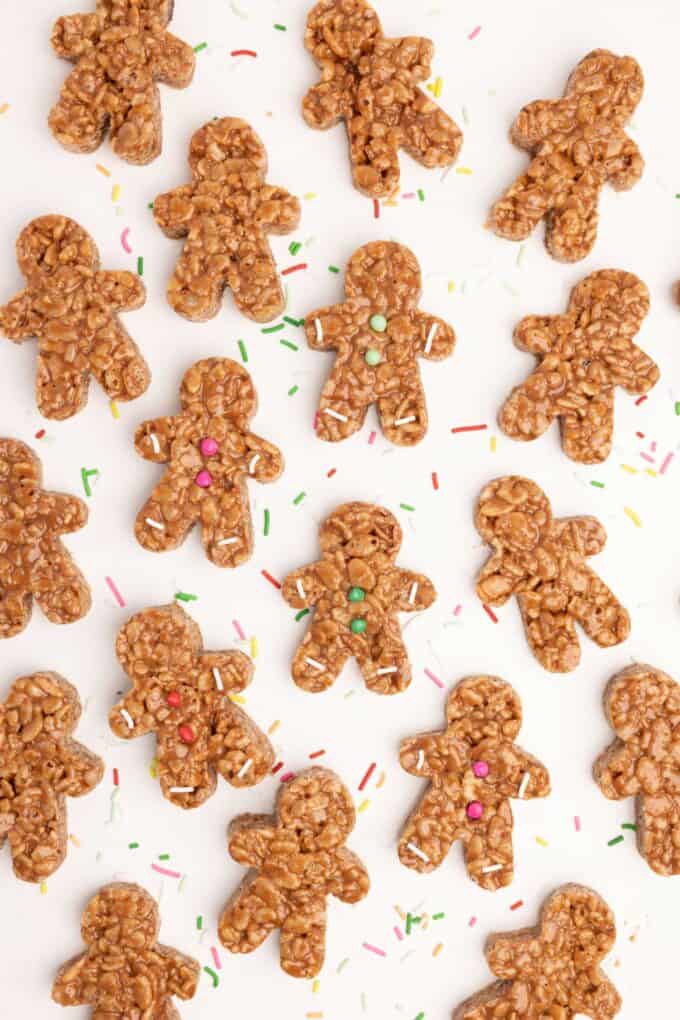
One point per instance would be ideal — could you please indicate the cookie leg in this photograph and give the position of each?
(600, 613)
(491, 1002)
(531, 408)
(241, 752)
(523, 206)
(227, 527)
(550, 629)
(572, 225)
(385, 667)
(15, 608)
(403, 411)
(77, 122)
(303, 939)
(184, 770)
(58, 586)
(374, 156)
(429, 833)
(136, 127)
(167, 516)
(658, 833)
(587, 432)
(197, 284)
(255, 910)
(117, 364)
(342, 410)
(37, 838)
(429, 135)
(319, 659)
(488, 848)
(254, 280)
(62, 379)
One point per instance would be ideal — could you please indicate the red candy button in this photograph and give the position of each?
(174, 699)
(186, 734)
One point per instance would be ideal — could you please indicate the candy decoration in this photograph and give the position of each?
(186, 734)
(356, 595)
(204, 479)
(480, 769)
(209, 446)
(378, 323)
(372, 357)
(357, 626)
(474, 810)
(174, 699)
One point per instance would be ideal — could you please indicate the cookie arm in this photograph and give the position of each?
(435, 339)
(76, 983)
(415, 592)
(75, 34)
(154, 438)
(264, 461)
(82, 770)
(65, 514)
(635, 372)
(505, 953)
(181, 972)
(18, 318)
(173, 61)
(515, 783)
(625, 169)
(349, 882)
(539, 334)
(302, 588)
(494, 586)
(130, 709)
(327, 103)
(323, 328)
(226, 671)
(584, 535)
(120, 290)
(278, 211)
(250, 838)
(238, 748)
(173, 210)
(533, 123)
(615, 772)
(424, 755)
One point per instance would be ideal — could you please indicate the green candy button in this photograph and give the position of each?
(372, 357)
(356, 595)
(378, 323)
(357, 626)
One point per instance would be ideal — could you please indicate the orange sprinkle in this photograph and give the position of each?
(437, 949)
(102, 170)
(274, 727)
(4, 108)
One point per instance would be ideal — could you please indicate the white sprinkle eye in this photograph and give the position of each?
(491, 867)
(128, 718)
(386, 669)
(300, 589)
(413, 592)
(227, 541)
(218, 678)
(405, 421)
(154, 442)
(524, 785)
(335, 414)
(155, 524)
(314, 663)
(418, 852)
(319, 329)
(182, 789)
(251, 466)
(430, 337)
(421, 759)
(244, 768)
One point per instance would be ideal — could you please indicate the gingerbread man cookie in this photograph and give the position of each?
(643, 706)
(33, 562)
(120, 52)
(552, 970)
(582, 357)
(379, 333)
(371, 82)
(71, 307)
(357, 591)
(182, 694)
(210, 452)
(225, 215)
(125, 972)
(542, 561)
(474, 768)
(298, 859)
(577, 145)
(40, 766)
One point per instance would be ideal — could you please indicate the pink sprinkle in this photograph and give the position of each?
(316, 421)
(645, 456)
(371, 438)
(216, 958)
(239, 630)
(653, 447)
(124, 241)
(666, 461)
(577, 823)
(374, 949)
(409, 194)
(475, 32)
(287, 776)
(398, 933)
(456, 611)
(166, 871)
(472, 922)
(434, 679)
(121, 601)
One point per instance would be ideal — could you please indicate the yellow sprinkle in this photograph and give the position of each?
(102, 170)
(492, 444)
(314, 1016)
(350, 694)
(74, 840)
(633, 516)
(463, 170)
(401, 913)
(629, 469)
(153, 768)
(274, 727)
(310, 194)
(451, 286)
(362, 807)
(4, 108)
(541, 842)
(114, 410)
(238, 699)
(651, 471)
(390, 201)
(253, 648)
(430, 88)
(437, 90)
(380, 781)
(43, 888)
(115, 193)
(316, 985)
(437, 949)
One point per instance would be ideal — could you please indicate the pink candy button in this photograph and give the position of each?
(209, 446)
(474, 810)
(480, 769)
(204, 479)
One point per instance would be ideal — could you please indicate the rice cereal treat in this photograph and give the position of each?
(40, 766)
(71, 307)
(379, 333)
(371, 82)
(542, 560)
(182, 694)
(474, 769)
(643, 706)
(356, 591)
(297, 859)
(577, 145)
(210, 452)
(125, 972)
(582, 357)
(34, 564)
(120, 52)
(552, 970)
(225, 215)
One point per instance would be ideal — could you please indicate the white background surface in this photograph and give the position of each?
(523, 52)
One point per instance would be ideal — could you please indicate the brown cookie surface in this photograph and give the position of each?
(356, 591)
(40, 766)
(120, 51)
(210, 453)
(582, 357)
(182, 694)
(577, 144)
(643, 706)
(542, 561)
(125, 972)
(71, 307)
(298, 858)
(552, 970)
(379, 333)
(371, 82)
(225, 214)
(474, 769)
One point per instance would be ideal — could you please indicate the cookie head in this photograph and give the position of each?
(225, 150)
(342, 30)
(120, 917)
(159, 644)
(360, 530)
(614, 297)
(219, 388)
(42, 704)
(513, 513)
(608, 86)
(56, 253)
(318, 809)
(483, 708)
(385, 276)
(642, 699)
(582, 922)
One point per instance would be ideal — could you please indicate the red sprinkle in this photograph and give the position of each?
(369, 772)
(186, 734)
(376, 209)
(293, 269)
(286, 778)
(115, 777)
(640, 435)
(490, 613)
(243, 53)
(470, 428)
(516, 906)
(435, 481)
(332, 472)
(316, 754)
(277, 767)
(272, 580)
(40, 434)
(640, 400)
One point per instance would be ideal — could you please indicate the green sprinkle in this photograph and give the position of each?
(421, 1016)
(438, 917)
(200, 47)
(150, 205)
(280, 28)
(164, 857)
(613, 842)
(293, 322)
(628, 825)
(333, 269)
(598, 485)
(298, 616)
(408, 924)
(266, 522)
(294, 247)
(287, 343)
(293, 390)
(133, 846)
(298, 499)
(213, 975)
(85, 477)
(416, 920)
(244, 352)
(140, 266)
(677, 406)
(406, 506)
(421, 194)
(273, 329)
(199, 922)
(184, 596)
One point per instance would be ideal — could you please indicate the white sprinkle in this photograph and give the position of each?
(430, 337)
(227, 541)
(418, 852)
(154, 442)
(301, 590)
(526, 779)
(314, 663)
(405, 421)
(421, 758)
(128, 718)
(335, 414)
(386, 669)
(244, 769)
(319, 329)
(251, 466)
(491, 867)
(155, 524)
(181, 789)
(413, 592)
(218, 678)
